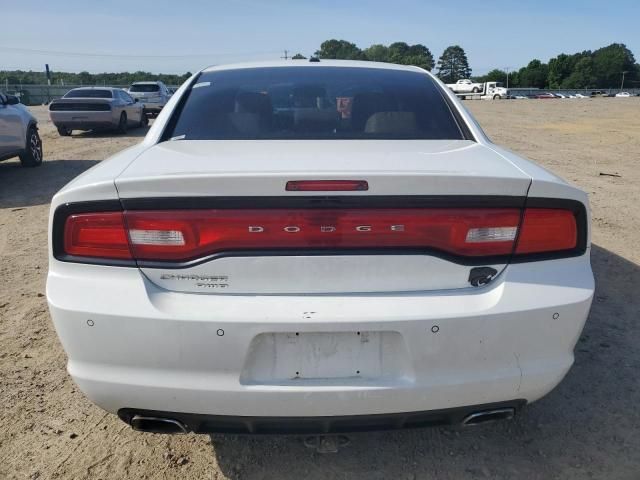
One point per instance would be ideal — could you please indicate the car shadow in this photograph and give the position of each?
(25, 187)
(132, 132)
(588, 427)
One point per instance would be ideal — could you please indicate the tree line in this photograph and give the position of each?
(602, 68)
(20, 77)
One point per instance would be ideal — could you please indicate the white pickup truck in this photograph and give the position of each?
(465, 86)
(482, 91)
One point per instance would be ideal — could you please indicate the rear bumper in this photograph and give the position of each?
(150, 349)
(321, 425)
(84, 120)
(152, 107)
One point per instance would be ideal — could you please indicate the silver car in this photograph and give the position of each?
(18, 132)
(153, 95)
(94, 108)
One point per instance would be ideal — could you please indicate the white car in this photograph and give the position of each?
(579, 95)
(152, 95)
(19, 132)
(623, 95)
(320, 247)
(465, 86)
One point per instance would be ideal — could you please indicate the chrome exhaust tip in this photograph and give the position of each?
(488, 416)
(157, 425)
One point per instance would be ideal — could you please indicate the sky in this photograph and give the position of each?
(187, 35)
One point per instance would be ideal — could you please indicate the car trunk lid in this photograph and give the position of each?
(237, 183)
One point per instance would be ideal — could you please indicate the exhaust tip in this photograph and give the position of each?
(488, 416)
(157, 425)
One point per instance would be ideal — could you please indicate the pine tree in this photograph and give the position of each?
(453, 65)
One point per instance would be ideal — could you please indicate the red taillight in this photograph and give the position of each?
(196, 233)
(327, 185)
(181, 235)
(101, 235)
(547, 230)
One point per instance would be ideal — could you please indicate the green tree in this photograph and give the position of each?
(298, 56)
(85, 78)
(609, 63)
(401, 53)
(495, 75)
(582, 75)
(377, 53)
(420, 56)
(453, 65)
(534, 75)
(340, 49)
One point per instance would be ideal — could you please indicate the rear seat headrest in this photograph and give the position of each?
(253, 102)
(391, 123)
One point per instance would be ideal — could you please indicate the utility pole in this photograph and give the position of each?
(286, 55)
(46, 66)
(507, 70)
(622, 84)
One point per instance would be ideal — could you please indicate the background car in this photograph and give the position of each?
(153, 95)
(19, 132)
(545, 95)
(94, 108)
(623, 95)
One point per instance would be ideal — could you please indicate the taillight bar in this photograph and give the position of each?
(178, 236)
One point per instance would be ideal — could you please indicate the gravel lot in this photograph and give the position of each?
(589, 427)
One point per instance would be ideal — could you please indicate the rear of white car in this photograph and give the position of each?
(321, 248)
(152, 95)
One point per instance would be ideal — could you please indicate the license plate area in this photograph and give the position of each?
(293, 358)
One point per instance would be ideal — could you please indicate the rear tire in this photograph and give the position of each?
(144, 120)
(32, 156)
(122, 124)
(64, 131)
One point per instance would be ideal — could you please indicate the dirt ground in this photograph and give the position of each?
(589, 427)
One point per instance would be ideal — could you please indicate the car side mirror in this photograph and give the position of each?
(12, 100)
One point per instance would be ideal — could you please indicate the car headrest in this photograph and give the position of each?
(309, 96)
(311, 120)
(381, 123)
(366, 104)
(253, 102)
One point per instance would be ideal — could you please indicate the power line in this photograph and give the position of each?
(118, 55)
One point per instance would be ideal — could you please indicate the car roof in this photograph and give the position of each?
(150, 82)
(96, 88)
(308, 64)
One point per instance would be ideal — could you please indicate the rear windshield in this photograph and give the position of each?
(314, 103)
(144, 88)
(86, 93)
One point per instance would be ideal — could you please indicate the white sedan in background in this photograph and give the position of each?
(321, 247)
(623, 95)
